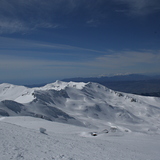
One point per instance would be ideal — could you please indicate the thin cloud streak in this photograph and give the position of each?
(127, 62)
(19, 44)
(139, 7)
(32, 14)
(19, 63)
(12, 27)
(69, 47)
(22, 16)
(35, 14)
(117, 60)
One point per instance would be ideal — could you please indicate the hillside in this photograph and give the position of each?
(77, 121)
(83, 104)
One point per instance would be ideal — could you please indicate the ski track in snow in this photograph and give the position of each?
(24, 143)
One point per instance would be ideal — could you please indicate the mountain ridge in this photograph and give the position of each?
(140, 84)
(84, 104)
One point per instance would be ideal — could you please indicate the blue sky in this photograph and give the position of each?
(45, 40)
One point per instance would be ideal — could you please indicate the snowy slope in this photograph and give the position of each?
(23, 94)
(16, 93)
(21, 140)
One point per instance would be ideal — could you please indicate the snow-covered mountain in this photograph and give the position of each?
(96, 123)
(83, 104)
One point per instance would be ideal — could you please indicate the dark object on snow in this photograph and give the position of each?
(94, 133)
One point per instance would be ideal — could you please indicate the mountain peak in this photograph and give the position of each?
(59, 85)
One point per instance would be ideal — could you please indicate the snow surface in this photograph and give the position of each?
(22, 140)
(126, 126)
(58, 85)
(19, 94)
(23, 94)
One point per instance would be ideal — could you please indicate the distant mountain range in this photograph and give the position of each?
(129, 77)
(132, 83)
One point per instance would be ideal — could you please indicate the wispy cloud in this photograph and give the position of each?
(139, 7)
(33, 69)
(12, 26)
(11, 44)
(93, 23)
(102, 57)
(22, 63)
(19, 15)
(117, 62)
(129, 58)
(22, 15)
(69, 47)
(128, 61)
(25, 15)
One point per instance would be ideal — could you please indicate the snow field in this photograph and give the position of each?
(21, 140)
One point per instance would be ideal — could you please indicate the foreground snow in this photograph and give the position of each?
(21, 140)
